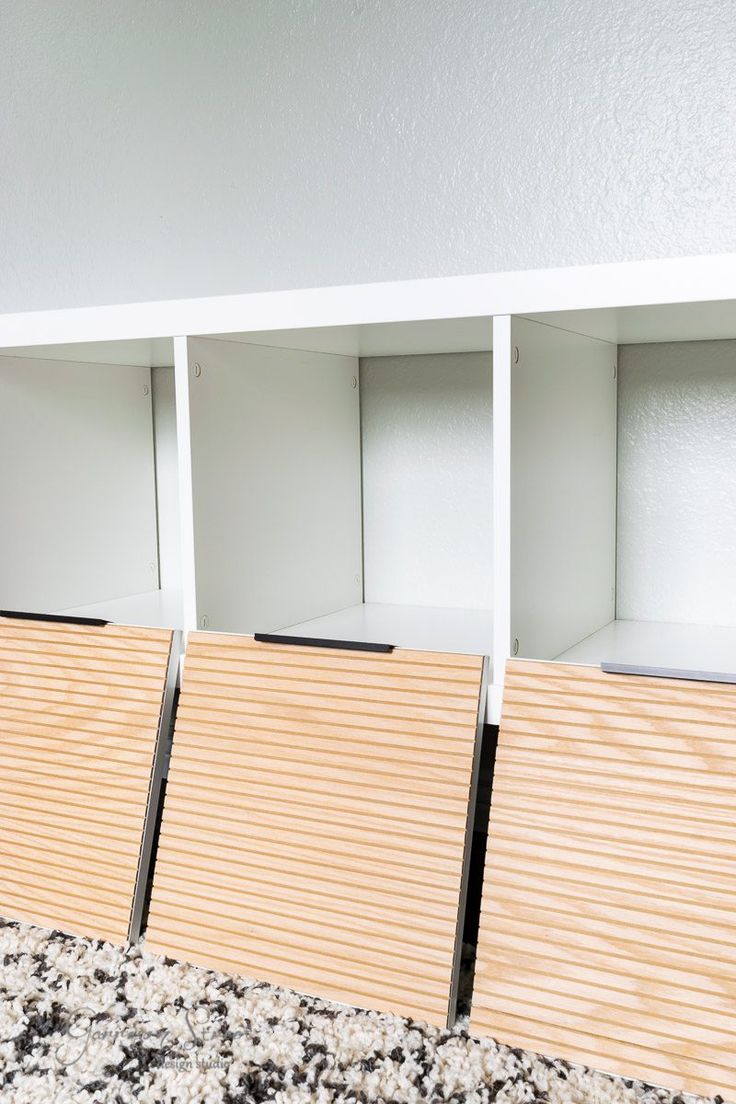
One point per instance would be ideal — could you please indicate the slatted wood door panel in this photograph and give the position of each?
(80, 712)
(316, 817)
(608, 926)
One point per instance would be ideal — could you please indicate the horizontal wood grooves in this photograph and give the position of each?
(608, 924)
(79, 716)
(315, 819)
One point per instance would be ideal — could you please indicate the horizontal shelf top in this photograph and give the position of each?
(160, 609)
(631, 283)
(658, 644)
(423, 628)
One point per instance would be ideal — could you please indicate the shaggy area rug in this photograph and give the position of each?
(83, 1022)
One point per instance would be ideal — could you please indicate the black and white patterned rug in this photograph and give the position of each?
(83, 1022)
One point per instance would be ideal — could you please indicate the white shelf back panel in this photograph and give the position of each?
(77, 500)
(275, 438)
(563, 488)
(677, 483)
(427, 426)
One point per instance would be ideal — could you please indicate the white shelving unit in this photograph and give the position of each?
(342, 483)
(90, 511)
(643, 489)
(129, 510)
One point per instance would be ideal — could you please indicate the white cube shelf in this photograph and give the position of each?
(541, 506)
(623, 490)
(90, 505)
(343, 495)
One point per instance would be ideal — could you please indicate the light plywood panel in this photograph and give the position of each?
(608, 931)
(82, 710)
(316, 819)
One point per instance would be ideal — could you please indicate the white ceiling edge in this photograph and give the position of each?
(532, 292)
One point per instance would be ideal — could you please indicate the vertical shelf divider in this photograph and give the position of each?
(502, 362)
(186, 495)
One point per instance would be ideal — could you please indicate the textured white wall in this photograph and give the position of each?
(427, 426)
(152, 149)
(677, 482)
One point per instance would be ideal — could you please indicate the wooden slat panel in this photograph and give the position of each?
(310, 670)
(134, 685)
(16, 720)
(79, 718)
(360, 688)
(384, 713)
(423, 737)
(378, 830)
(230, 646)
(316, 818)
(300, 893)
(608, 930)
(437, 764)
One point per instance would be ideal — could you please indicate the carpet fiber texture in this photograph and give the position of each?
(84, 1022)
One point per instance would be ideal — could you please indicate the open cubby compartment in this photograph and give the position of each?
(342, 482)
(623, 490)
(89, 495)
